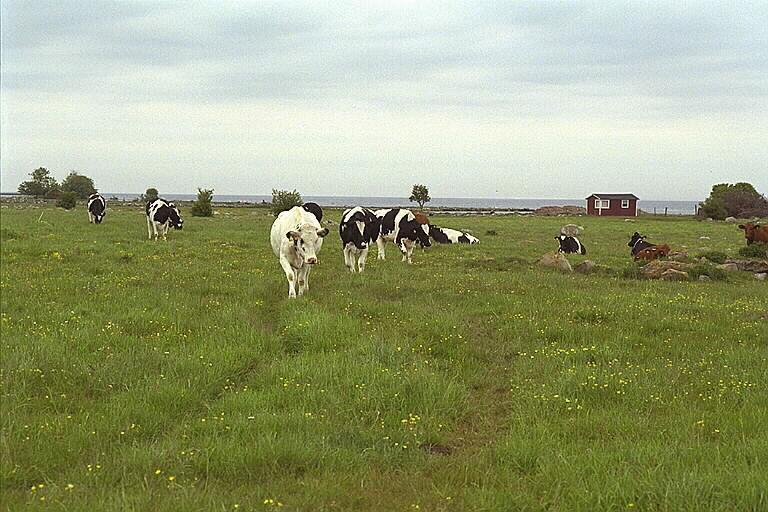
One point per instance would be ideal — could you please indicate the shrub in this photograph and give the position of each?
(491, 232)
(734, 200)
(67, 200)
(705, 269)
(714, 256)
(283, 200)
(150, 195)
(631, 271)
(80, 185)
(755, 250)
(202, 207)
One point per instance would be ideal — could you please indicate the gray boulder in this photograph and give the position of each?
(674, 275)
(555, 260)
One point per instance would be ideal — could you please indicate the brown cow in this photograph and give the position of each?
(755, 232)
(421, 218)
(653, 252)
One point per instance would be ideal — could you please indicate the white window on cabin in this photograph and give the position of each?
(602, 204)
(625, 203)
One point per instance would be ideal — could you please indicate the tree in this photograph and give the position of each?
(81, 185)
(734, 200)
(67, 200)
(41, 183)
(202, 207)
(150, 195)
(283, 200)
(420, 194)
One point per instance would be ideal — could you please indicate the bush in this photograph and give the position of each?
(150, 195)
(705, 269)
(80, 185)
(631, 271)
(67, 200)
(202, 207)
(714, 256)
(755, 250)
(734, 200)
(283, 200)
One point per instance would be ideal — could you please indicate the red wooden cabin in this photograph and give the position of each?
(617, 205)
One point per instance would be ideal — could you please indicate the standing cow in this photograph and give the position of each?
(401, 227)
(296, 239)
(754, 232)
(97, 208)
(359, 229)
(161, 215)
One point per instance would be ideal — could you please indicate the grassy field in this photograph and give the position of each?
(177, 375)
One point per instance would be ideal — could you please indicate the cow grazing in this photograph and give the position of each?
(161, 215)
(401, 227)
(359, 229)
(296, 239)
(451, 236)
(315, 210)
(755, 232)
(570, 245)
(653, 252)
(97, 208)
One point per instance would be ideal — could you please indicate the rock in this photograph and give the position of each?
(571, 230)
(674, 275)
(553, 211)
(555, 260)
(760, 276)
(585, 267)
(758, 266)
(710, 219)
(729, 267)
(629, 220)
(704, 277)
(656, 268)
(677, 256)
(704, 238)
(731, 220)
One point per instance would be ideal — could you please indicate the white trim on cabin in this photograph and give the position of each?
(625, 203)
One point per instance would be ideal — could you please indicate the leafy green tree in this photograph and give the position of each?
(420, 194)
(41, 183)
(81, 185)
(67, 200)
(284, 200)
(202, 207)
(734, 200)
(150, 195)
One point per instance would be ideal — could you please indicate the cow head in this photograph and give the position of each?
(750, 231)
(636, 237)
(175, 217)
(304, 240)
(420, 233)
(98, 217)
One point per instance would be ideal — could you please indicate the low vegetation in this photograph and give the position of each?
(283, 200)
(202, 205)
(176, 375)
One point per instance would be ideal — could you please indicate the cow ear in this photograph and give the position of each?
(742, 226)
(293, 235)
(322, 232)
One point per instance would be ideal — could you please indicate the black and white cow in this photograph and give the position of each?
(359, 229)
(638, 243)
(314, 209)
(401, 227)
(451, 236)
(97, 208)
(161, 215)
(570, 245)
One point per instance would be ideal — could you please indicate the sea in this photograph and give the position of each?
(650, 206)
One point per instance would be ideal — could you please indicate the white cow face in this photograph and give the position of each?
(305, 242)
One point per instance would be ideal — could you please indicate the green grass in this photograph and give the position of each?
(178, 376)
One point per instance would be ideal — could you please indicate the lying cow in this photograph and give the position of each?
(450, 236)
(570, 245)
(161, 215)
(359, 229)
(653, 252)
(296, 239)
(638, 243)
(754, 232)
(401, 227)
(97, 208)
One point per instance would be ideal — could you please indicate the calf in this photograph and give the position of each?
(296, 239)
(161, 215)
(653, 252)
(97, 208)
(451, 236)
(570, 245)
(755, 232)
(359, 228)
(401, 227)
(638, 243)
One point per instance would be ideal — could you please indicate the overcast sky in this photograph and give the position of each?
(473, 99)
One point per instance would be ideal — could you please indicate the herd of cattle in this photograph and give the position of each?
(297, 235)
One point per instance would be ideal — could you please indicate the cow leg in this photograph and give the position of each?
(306, 277)
(303, 279)
(361, 261)
(290, 273)
(349, 259)
(164, 229)
(149, 228)
(90, 217)
(381, 243)
(408, 246)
